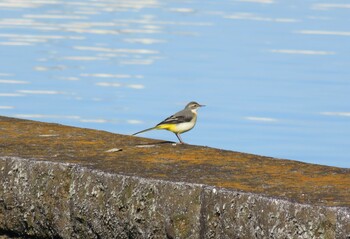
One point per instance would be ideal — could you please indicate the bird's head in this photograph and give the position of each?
(193, 106)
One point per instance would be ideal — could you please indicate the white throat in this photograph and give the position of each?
(194, 111)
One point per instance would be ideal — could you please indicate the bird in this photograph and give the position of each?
(179, 122)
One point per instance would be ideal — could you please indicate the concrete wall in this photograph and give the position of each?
(48, 196)
(47, 199)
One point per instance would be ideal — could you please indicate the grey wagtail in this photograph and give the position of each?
(180, 122)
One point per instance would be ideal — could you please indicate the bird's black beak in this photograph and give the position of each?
(201, 105)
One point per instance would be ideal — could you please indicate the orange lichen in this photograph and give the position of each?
(163, 160)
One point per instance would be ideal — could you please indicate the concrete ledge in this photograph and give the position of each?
(64, 182)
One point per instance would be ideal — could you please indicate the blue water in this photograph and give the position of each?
(273, 74)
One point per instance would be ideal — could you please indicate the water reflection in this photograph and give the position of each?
(302, 52)
(273, 74)
(317, 32)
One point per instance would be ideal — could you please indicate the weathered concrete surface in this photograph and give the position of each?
(60, 182)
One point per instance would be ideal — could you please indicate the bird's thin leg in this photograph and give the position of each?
(178, 136)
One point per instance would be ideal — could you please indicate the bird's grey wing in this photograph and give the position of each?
(180, 117)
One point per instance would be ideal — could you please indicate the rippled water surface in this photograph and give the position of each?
(275, 75)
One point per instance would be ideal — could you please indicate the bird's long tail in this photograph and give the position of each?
(144, 130)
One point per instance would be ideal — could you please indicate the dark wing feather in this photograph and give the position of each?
(180, 117)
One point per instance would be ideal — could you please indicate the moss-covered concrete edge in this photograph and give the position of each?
(43, 199)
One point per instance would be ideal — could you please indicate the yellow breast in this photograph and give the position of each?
(179, 128)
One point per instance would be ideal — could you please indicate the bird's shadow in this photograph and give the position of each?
(160, 143)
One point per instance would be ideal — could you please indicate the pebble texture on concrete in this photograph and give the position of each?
(65, 182)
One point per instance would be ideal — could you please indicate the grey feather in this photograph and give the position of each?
(144, 130)
(182, 116)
